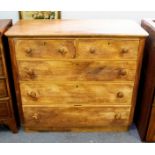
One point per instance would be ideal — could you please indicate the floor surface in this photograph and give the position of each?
(69, 137)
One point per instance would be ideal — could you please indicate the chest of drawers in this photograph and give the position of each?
(76, 75)
(145, 110)
(7, 116)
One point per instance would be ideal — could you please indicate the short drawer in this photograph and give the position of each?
(45, 49)
(1, 67)
(45, 118)
(3, 88)
(76, 93)
(77, 70)
(4, 109)
(107, 49)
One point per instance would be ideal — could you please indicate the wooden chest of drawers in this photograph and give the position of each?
(145, 110)
(7, 116)
(76, 75)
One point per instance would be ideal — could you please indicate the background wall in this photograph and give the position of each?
(137, 16)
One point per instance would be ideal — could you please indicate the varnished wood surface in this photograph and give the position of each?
(116, 49)
(147, 82)
(50, 49)
(4, 109)
(3, 89)
(4, 24)
(151, 128)
(76, 93)
(43, 118)
(80, 70)
(1, 67)
(76, 27)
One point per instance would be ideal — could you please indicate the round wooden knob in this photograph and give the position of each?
(120, 95)
(35, 116)
(92, 50)
(31, 74)
(124, 51)
(29, 51)
(33, 95)
(62, 51)
(122, 72)
(117, 116)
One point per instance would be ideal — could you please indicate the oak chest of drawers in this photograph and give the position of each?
(7, 115)
(76, 75)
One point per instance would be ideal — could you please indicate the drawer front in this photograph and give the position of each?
(77, 70)
(76, 93)
(72, 117)
(107, 49)
(3, 88)
(50, 49)
(4, 109)
(1, 67)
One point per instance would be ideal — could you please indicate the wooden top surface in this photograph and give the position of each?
(4, 24)
(76, 28)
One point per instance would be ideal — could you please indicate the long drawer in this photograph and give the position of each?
(44, 118)
(80, 48)
(3, 88)
(77, 70)
(76, 93)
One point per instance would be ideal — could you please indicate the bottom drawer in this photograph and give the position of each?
(4, 109)
(45, 118)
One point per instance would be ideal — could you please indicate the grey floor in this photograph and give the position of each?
(69, 137)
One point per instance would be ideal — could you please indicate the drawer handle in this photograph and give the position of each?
(62, 51)
(122, 72)
(29, 51)
(31, 74)
(117, 116)
(92, 50)
(35, 116)
(120, 95)
(124, 51)
(33, 95)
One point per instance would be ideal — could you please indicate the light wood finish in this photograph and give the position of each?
(76, 28)
(50, 49)
(76, 93)
(7, 115)
(42, 118)
(77, 70)
(116, 49)
(77, 75)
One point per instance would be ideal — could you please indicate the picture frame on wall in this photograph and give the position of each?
(39, 14)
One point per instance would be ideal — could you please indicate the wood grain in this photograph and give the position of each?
(4, 109)
(1, 68)
(76, 70)
(50, 49)
(44, 118)
(76, 93)
(3, 89)
(93, 28)
(116, 49)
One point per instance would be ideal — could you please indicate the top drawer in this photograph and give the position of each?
(107, 49)
(47, 49)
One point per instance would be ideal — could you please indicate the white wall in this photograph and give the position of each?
(137, 16)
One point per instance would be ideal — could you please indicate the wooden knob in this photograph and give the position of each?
(92, 50)
(124, 51)
(31, 74)
(117, 116)
(29, 51)
(120, 95)
(62, 51)
(122, 72)
(33, 95)
(35, 116)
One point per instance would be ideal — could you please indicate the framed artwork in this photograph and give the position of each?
(39, 14)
